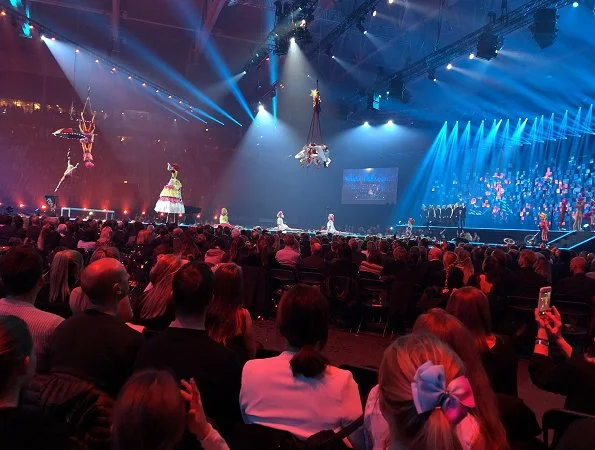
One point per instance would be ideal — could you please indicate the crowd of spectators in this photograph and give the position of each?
(124, 335)
(516, 196)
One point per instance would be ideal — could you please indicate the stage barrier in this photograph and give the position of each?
(103, 214)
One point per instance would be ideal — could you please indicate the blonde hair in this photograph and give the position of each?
(431, 430)
(66, 267)
(157, 300)
(143, 237)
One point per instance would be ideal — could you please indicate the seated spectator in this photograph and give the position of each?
(288, 255)
(7, 231)
(95, 345)
(573, 376)
(65, 273)
(216, 254)
(356, 254)
(577, 287)
(22, 428)
(343, 265)
(397, 269)
(298, 391)
(413, 369)
(154, 309)
(524, 282)
(21, 270)
(472, 307)
(88, 240)
(227, 321)
(105, 237)
(315, 261)
(543, 267)
(151, 410)
(464, 263)
(373, 263)
(186, 349)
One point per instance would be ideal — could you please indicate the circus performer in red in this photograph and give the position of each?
(170, 200)
(544, 227)
(68, 172)
(563, 212)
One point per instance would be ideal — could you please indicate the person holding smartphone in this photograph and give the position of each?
(574, 376)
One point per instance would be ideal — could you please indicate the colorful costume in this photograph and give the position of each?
(409, 229)
(170, 199)
(223, 217)
(314, 154)
(578, 214)
(69, 169)
(280, 225)
(544, 227)
(330, 225)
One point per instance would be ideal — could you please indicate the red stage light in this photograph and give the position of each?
(21, 205)
(125, 211)
(144, 213)
(43, 206)
(2, 13)
(180, 215)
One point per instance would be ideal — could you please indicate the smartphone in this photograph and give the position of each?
(545, 295)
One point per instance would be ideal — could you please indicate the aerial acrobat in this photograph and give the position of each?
(69, 169)
(314, 152)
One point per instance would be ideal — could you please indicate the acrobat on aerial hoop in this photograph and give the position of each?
(314, 152)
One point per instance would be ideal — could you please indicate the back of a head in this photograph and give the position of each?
(99, 280)
(449, 259)
(400, 254)
(527, 258)
(192, 289)
(302, 319)
(315, 248)
(105, 252)
(344, 252)
(64, 272)
(472, 307)
(165, 266)
(578, 265)
(20, 269)
(400, 362)
(289, 240)
(16, 344)
(149, 413)
(228, 284)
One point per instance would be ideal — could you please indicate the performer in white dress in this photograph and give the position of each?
(280, 225)
(330, 225)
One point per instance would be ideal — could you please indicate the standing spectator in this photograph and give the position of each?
(22, 428)
(6, 229)
(21, 269)
(227, 321)
(298, 391)
(66, 239)
(472, 307)
(288, 255)
(65, 273)
(95, 345)
(19, 231)
(186, 349)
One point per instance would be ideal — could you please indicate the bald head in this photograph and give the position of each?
(578, 265)
(105, 282)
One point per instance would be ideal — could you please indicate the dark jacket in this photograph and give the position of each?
(85, 409)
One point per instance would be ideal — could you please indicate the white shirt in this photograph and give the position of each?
(271, 396)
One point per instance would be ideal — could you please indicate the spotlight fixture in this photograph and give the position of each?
(97, 61)
(471, 55)
(366, 124)
(129, 77)
(144, 84)
(292, 40)
(374, 13)
(77, 51)
(329, 50)
(2, 13)
(260, 107)
(390, 2)
(365, 31)
(449, 66)
(575, 5)
(488, 46)
(53, 38)
(244, 72)
(42, 37)
(360, 25)
(390, 122)
(432, 74)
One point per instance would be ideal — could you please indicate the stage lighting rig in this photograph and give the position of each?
(488, 46)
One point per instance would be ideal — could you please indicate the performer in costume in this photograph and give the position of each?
(69, 169)
(280, 225)
(170, 199)
(330, 225)
(578, 214)
(544, 227)
(563, 212)
(223, 217)
(409, 228)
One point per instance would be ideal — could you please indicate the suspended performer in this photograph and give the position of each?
(68, 172)
(170, 199)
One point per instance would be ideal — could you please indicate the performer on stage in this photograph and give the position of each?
(69, 169)
(563, 212)
(170, 199)
(223, 217)
(578, 214)
(544, 227)
(409, 228)
(280, 225)
(330, 225)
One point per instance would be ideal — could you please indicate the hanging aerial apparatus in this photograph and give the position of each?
(314, 152)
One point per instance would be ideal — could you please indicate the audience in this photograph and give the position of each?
(227, 321)
(151, 414)
(428, 400)
(315, 261)
(186, 349)
(289, 255)
(65, 273)
(472, 307)
(577, 287)
(95, 345)
(22, 428)
(524, 282)
(299, 391)
(21, 273)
